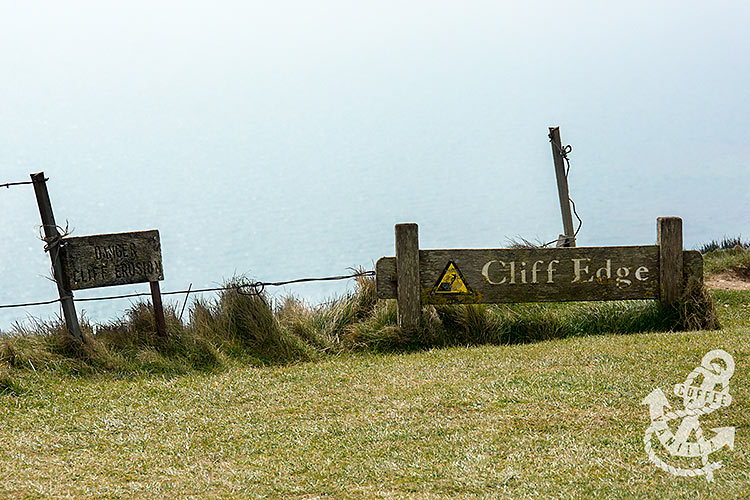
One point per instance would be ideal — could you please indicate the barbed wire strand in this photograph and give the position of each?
(29, 304)
(255, 288)
(9, 184)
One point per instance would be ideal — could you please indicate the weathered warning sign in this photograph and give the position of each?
(111, 259)
(451, 282)
(468, 276)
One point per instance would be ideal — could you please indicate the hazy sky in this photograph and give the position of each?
(246, 131)
(649, 93)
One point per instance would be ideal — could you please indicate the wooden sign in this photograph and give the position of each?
(111, 259)
(472, 276)
(530, 275)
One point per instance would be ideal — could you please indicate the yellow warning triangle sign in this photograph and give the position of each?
(451, 282)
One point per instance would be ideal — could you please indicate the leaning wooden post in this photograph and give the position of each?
(53, 238)
(161, 323)
(562, 189)
(407, 276)
(669, 237)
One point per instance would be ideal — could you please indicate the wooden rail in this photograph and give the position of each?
(470, 276)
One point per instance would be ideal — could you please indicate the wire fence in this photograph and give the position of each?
(9, 184)
(245, 288)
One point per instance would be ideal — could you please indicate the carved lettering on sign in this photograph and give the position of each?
(112, 259)
(498, 272)
(508, 270)
(538, 274)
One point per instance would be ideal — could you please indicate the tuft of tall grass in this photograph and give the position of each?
(252, 328)
(521, 242)
(726, 243)
(734, 261)
(696, 309)
(134, 343)
(444, 326)
(378, 331)
(326, 327)
(244, 325)
(46, 345)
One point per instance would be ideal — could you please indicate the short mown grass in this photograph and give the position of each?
(254, 398)
(551, 419)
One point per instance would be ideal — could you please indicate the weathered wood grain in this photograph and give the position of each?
(562, 189)
(407, 271)
(386, 276)
(51, 236)
(669, 238)
(536, 275)
(112, 259)
(692, 265)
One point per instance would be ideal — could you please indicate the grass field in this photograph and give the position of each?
(552, 419)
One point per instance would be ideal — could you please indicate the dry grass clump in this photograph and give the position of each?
(726, 243)
(252, 328)
(443, 326)
(244, 325)
(45, 345)
(696, 308)
(136, 345)
(733, 261)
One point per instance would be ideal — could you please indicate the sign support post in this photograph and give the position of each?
(53, 238)
(504, 275)
(669, 238)
(568, 237)
(116, 259)
(161, 324)
(407, 276)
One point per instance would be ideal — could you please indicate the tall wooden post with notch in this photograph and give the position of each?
(53, 237)
(407, 276)
(567, 239)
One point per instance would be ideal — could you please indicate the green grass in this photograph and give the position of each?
(552, 419)
(735, 261)
(726, 243)
(259, 399)
(255, 330)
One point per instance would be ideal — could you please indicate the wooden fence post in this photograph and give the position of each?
(161, 324)
(407, 276)
(52, 237)
(562, 189)
(669, 238)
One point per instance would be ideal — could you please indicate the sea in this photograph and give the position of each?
(286, 149)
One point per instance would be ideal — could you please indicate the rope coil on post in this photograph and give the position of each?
(563, 152)
(55, 243)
